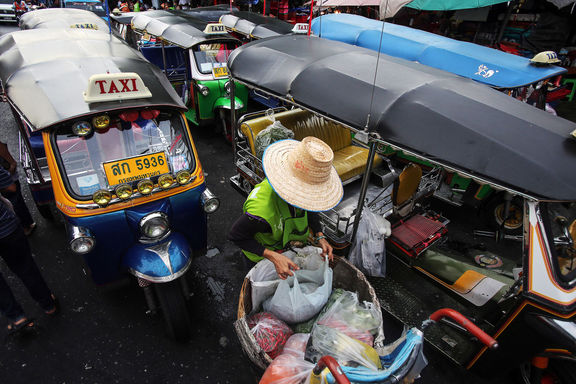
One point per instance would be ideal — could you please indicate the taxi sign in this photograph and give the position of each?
(136, 168)
(300, 28)
(84, 26)
(219, 72)
(115, 86)
(215, 29)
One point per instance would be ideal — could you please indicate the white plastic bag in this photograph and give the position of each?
(368, 252)
(302, 296)
(361, 321)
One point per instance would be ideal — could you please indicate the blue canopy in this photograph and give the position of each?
(485, 65)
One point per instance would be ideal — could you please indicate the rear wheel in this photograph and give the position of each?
(174, 307)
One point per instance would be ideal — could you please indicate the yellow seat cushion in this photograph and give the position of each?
(349, 160)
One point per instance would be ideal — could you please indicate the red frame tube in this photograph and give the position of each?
(333, 366)
(484, 338)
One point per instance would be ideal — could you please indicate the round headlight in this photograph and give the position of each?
(183, 176)
(145, 186)
(102, 197)
(211, 205)
(82, 244)
(124, 191)
(101, 122)
(154, 225)
(204, 90)
(82, 128)
(166, 181)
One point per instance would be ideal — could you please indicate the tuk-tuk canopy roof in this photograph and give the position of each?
(446, 118)
(485, 65)
(46, 71)
(62, 18)
(176, 28)
(211, 13)
(256, 25)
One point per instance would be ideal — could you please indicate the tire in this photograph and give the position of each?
(226, 125)
(495, 215)
(174, 309)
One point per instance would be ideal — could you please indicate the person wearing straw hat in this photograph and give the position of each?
(300, 180)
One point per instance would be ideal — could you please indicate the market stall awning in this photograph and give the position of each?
(348, 3)
(389, 8)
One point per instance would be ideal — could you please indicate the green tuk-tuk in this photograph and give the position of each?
(193, 55)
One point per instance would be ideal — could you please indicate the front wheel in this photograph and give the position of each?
(174, 307)
(226, 124)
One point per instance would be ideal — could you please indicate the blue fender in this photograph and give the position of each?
(161, 262)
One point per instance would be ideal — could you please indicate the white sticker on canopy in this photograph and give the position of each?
(215, 29)
(300, 28)
(115, 86)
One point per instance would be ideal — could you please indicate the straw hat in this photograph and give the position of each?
(302, 174)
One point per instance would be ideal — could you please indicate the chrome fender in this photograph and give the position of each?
(161, 262)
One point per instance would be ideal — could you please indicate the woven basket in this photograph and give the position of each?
(345, 276)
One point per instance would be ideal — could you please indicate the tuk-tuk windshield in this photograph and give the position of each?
(89, 6)
(208, 56)
(560, 218)
(155, 142)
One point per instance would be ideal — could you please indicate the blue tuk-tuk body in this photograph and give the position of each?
(486, 65)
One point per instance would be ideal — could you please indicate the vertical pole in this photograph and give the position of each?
(310, 18)
(233, 116)
(264, 8)
(363, 189)
(108, 16)
(164, 60)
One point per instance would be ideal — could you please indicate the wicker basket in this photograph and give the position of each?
(345, 276)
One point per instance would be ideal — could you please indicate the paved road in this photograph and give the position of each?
(103, 335)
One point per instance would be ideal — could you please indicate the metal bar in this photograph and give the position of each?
(233, 118)
(363, 189)
(164, 59)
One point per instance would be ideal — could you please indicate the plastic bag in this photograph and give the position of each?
(271, 134)
(346, 350)
(360, 321)
(306, 327)
(368, 252)
(270, 333)
(302, 296)
(290, 367)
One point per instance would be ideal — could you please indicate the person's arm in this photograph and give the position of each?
(319, 237)
(5, 154)
(6, 183)
(242, 234)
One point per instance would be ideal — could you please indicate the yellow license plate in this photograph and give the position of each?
(220, 72)
(136, 168)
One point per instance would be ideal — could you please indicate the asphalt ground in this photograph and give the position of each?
(103, 334)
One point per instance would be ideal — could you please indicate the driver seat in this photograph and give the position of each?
(405, 188)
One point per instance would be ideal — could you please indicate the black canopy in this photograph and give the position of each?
(256, 25)
(451, 120)
(46, 71)
(175, 27)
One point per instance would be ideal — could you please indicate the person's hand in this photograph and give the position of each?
(326, 249)
(284, 266)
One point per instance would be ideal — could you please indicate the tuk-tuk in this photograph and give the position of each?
(103, 139)
(250, 26)
(516, 75)
(62, 18)
(192, 53)
(518, 288)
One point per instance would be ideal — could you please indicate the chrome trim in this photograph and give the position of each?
(164, 279)
(135, 195)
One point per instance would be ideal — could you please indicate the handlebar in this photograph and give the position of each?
(330, 363)
(484, 338)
